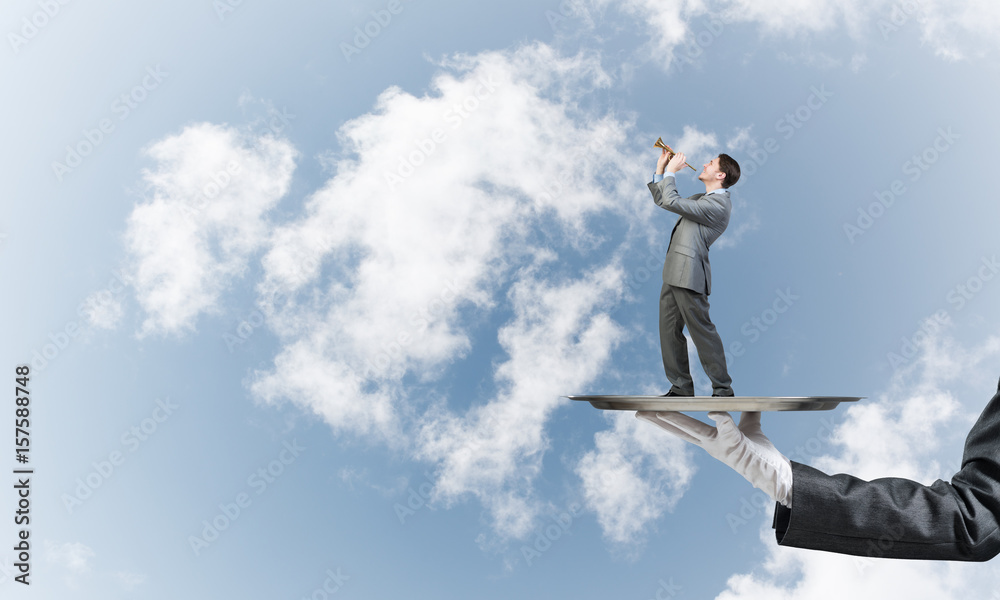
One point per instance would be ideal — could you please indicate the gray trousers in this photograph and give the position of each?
(679, 307)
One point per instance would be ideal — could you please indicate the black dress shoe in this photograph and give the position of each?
(673, 394)
(723, 395)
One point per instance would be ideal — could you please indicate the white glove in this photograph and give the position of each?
(745, 448)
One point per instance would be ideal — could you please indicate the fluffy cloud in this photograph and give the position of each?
(631, 477)
(202, 219)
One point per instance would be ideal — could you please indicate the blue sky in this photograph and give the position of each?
(302, 285)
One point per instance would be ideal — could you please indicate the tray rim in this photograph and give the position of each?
(710, 403)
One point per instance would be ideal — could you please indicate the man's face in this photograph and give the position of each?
(710, 171)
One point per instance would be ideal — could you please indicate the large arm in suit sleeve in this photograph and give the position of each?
(899, 518)
(704, 210)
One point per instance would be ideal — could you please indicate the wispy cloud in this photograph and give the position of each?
(699, 146)
(74, 557)
(103, 309)
(953, 31)
(128, 580)
(667, 23)
(71, 560)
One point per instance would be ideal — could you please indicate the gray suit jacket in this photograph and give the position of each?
(703, 219)
(899, 518)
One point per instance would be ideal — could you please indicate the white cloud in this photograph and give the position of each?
(71, 560)
(667, 22)
(203, 217)
(698, 146)
(950, 30)
(631, 477)
(913, 430)
(129, 581)
(958, 30)
(103, 310)
(824, 576)
(74, 562)
(741, 139)
(355, 478)
(798, 17)
(74, 557)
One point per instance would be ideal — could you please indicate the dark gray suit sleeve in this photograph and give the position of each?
(710, 212)
(899, 518)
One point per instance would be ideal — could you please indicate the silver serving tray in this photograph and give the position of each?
(709, 403)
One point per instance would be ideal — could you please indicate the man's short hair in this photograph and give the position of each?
(729, 166)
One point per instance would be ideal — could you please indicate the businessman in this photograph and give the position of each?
(889, 517)
(687, 274)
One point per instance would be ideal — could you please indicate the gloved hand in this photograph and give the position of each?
(745, 448)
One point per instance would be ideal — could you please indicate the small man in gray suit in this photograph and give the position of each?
(687, 274)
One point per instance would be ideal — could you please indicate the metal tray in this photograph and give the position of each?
(709, 403)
